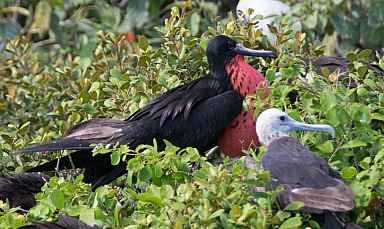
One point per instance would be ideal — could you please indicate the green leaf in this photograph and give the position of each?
(194, 23)
(271, 74)
(293, 206)
(179, 223)
(110, 16)
(109, 103)
(24, 125)
(58, 199)
(143, 43)
(282, 215)
(117, 78)
(314, 224)
(235, 212)
(134, 164)
(328, 100)
(360, 112)
(361, 91)
(354, 144)
(364, 54)
(326, 147)
(86, 50)
(216, 214)
(115, 158)
(145, 174)
(87, 215)
(157, 171)
(293, 222)
(95, 86)
(365, 163)
(348, 172)
(136, 15)
(362, 70)
(377, 116)
(379, 156)
(42, 17)
(311, 21)
(337, 2)
(150, 198)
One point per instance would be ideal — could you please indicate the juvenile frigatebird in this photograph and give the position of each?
(304, 176)
(201, 114)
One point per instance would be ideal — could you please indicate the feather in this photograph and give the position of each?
(20, 190)
(306, 177)
(64, 222)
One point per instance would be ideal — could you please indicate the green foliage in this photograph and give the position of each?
(356, 113)
(342, 24)
(108, 76)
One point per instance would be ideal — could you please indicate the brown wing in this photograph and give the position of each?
(306, 177)
(81, 136)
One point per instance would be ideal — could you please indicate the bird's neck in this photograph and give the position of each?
(271, 136)
(244, 78)
(217, 71)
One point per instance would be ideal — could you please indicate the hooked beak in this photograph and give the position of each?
(294, 125)
(241, 50)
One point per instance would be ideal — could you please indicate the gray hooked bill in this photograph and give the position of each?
(241, 50)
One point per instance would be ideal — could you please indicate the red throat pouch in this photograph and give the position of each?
(240, 134)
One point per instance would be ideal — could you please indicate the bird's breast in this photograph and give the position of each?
(246, 79)
(239, 135)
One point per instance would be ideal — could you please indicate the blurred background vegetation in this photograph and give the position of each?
(66, 26)
(62, 62)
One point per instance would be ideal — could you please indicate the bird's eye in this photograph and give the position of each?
(282, 118)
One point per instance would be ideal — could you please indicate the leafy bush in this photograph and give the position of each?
(113, 77)
(342, 24)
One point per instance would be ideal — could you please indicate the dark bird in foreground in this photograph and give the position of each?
(304, 176)
(64, 222)
(20, 189)
(200, 114)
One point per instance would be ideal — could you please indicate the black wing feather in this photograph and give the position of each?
(173, 102)
(201, 130)
(200, 111)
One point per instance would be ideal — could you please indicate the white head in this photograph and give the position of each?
(274, 123)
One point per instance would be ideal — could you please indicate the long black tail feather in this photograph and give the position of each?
(333, 220)
(60, 144)
(98, 169)
(114, 173)
(79, 159)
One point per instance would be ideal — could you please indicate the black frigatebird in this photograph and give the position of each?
(201, 114)
(339, 65)
(304, 176)
(64, 222)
